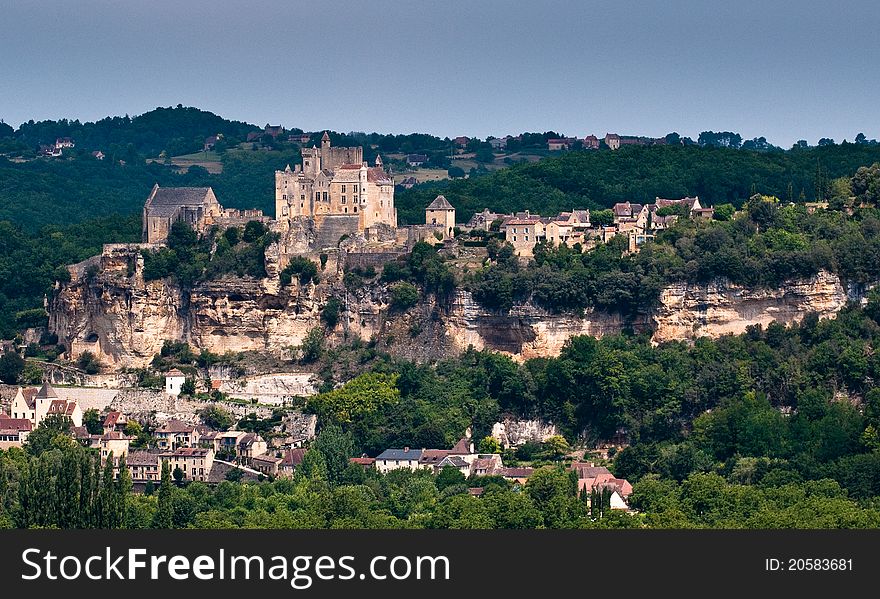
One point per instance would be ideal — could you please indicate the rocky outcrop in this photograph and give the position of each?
(719, 308)
(110, 310)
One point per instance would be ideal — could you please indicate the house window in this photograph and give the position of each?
(302, 196)
(317, 196)
(355, 208)
(343, 199)
(346, 209)
(343, 189)
(527, 237)
(325, 196)
(514, 237)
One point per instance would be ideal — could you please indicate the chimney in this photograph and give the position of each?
(406, 449)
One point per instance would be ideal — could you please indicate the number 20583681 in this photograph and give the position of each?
(808, 564)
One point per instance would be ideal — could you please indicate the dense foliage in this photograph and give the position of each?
(31, 262)
(190, 258)
(595, 180)
(763, 246)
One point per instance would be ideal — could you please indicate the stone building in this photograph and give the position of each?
(196, 206)
(440, 213)
(335, 184)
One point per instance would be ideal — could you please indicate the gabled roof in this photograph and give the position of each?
(293, 457)
(175, 426)
(401, 455)
(174, 373)
(17, 424)
(142, 457)
(378, 175)
(463, 447)
(433, 456)
(454, 461)
(112, 418)
(440, 203)
(29, 395)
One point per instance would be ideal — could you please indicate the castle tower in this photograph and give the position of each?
(378, 161)
(325, 150)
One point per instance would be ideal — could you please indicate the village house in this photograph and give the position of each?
(461, 141)
(591, 477)
(416, 159)
(114, 443)
(14, 431)
(174, 380)
(211, 141)
(364, 462)
(174, 434)
(98, 155)
(523, 234)
(195, 462)
(290, 461)
(517, 475)
(115, 421)
(454, 461)
(393, 459)
(409, 182)
(557, 144)
(483, 220)
(267, 464)
(144, 465)
(35, 405)
(64, 143)
(591, 142)
(250, 446)
(497, 143)
(612, 140)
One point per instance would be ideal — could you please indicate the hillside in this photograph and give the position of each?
(599, 179)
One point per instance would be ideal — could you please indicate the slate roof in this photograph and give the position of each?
(164, 201)
(440, 203)
(46, 392)
(401, 455)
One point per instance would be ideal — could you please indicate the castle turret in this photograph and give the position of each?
(378, 161)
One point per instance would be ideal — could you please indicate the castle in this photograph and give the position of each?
(335, 184)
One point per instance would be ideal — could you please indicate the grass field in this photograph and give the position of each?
(208, 160)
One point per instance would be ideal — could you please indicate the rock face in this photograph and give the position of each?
(110, 310)
(715, 309)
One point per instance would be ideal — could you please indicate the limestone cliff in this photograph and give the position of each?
(109, 309)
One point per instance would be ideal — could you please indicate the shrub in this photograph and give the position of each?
(303, 268)
(88, 363)
(404, 296)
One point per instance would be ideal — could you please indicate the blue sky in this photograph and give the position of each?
(783, 69)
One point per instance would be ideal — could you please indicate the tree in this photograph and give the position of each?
(404, 296)
(330, 313)
(11, 366)
(162, 517)
(313, 345)
(336, 447)
(188, 387)
(178, 475)
(455, 172)
(88, 363)
(361, 396)
(53, 431)
(93, 422)
(216, 417)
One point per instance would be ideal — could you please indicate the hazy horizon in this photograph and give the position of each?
(781, 69)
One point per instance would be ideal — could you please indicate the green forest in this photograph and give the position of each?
(599, 179)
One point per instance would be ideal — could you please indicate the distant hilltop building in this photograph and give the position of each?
(335, 184)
